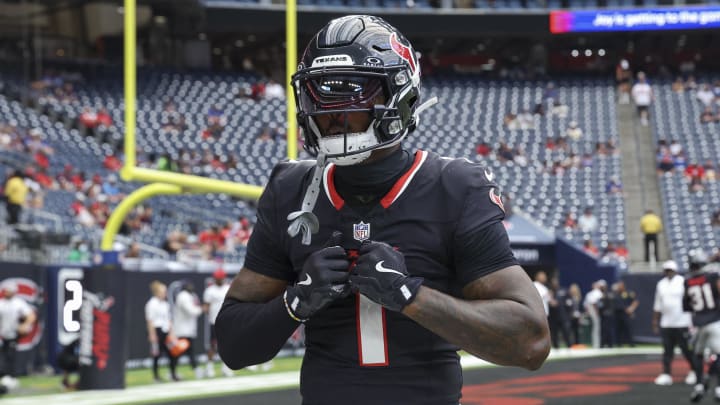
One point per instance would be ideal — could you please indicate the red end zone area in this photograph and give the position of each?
(616, 380)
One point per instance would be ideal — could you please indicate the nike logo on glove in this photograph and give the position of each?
(307, 281)
(379, 267)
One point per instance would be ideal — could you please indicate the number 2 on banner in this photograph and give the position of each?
(72, 305)
(372, 334)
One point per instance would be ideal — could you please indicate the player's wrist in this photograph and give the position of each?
(292, 305)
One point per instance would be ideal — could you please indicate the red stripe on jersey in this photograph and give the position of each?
(403, 181)
(335, 198)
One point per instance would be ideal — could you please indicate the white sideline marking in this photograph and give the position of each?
(233, 385)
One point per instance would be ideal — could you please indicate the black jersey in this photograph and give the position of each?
(701, 298)
(445, 216)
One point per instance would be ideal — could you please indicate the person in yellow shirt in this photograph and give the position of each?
(651, 226)
(15, 193)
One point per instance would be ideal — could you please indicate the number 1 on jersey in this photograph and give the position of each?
(372, 336)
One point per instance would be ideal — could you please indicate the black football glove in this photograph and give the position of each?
(323, 279)
(380, 274)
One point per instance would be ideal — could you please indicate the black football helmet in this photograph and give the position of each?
(697, 259)
(357, 64)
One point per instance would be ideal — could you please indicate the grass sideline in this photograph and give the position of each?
(51, 384)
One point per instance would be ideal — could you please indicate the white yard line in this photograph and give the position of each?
(233, 385)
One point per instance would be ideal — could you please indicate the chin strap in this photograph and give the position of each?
(304, 220)
(424, 106)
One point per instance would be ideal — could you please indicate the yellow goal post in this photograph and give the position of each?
(169, 183)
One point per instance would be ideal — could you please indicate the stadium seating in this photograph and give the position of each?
(474, 106)
(687, 214)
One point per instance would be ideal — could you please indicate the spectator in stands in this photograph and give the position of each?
(520, 157)
(104, 118)
(614, 185)
(570, 223)
(678, 86)
(239, 233)
(675, 147)
(680, 162)
(690, 83)
(511, 122)
(79, 253)
(88, 119)
(525, 119)
(213, 297)
(111, 189)
(15, 192)
(672, 322)
(186, 311)
(483, 149)
(113, 161)
(133, 251)
(159, 327)
(588, 222)
(174, 241)
(573, 131)
(665, 161)
(216, 115)
(705, 95)
(623, 77)
(708, 116)
(560, 109)
(212, 240)
(505, 152)
(16, 319)
(590, 248)
(642, 95)
(586, 161)
(171, 119)
(601, 149)
(550, 94)
(651, 226)
(710, 171)
(273, 90)
(694, 171)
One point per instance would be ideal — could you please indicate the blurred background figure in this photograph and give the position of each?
(16, 320)
(186, 311)
(213, 297)
(157, 317)
(672, 322)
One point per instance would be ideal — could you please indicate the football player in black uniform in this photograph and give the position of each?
(701, 298)
(401, 257)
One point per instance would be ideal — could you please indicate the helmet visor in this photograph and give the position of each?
(339, 92)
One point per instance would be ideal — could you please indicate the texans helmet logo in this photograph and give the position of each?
(403, 51)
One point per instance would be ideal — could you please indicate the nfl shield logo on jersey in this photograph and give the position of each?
(361, 231)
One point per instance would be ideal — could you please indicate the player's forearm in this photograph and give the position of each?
(252, 333)
(504, 332)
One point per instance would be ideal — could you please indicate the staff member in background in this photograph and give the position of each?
(157, 316)
(651, 226)
(213, 298)
(186, 311)
(672, 322)
(15, 194)
(626, 303)
(16, 319)
(591, 303)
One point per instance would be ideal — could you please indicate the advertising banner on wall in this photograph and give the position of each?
(29, 283)
(102, 346)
